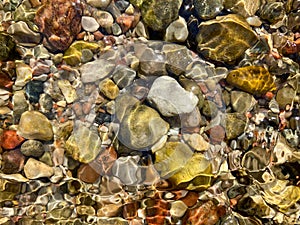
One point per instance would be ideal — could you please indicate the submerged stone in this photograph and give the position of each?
(7, 47)
(225, 39)
(207, 9)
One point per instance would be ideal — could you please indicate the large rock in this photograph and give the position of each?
(225, 39)
(34, 169)
(34, 125)
(141, 127)
(170, 98)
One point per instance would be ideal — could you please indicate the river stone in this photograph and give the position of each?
(32, 148)
(7, 47)
(242, 7)
(177, 31)
(178, 57)
(159, 14)
(225, 39)
(196, 141)
(34, 169)
(67, 90)
(84, 144)
(241, 101)
(170, 98)
(89, 24)
(96, 70)
(99, 3)
(207, 9)
(23, 35)
(141, 127)
(123, 76)
(109, 88)
(285, 96)
(235, 124)
(20, 105)
(34, 125)
(171, 158)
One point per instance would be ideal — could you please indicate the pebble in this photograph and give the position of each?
(177, 31)
(109, 88)
(96, 70)
(196, 141)
(7, 47)
(12, 161)
(33, 90)
(10, 139)
(104, 19)
(20, 105)
(84, 143)
(86, 55)
(24, 74)
(178, 209)
(285, 96)
(34, 125)
(32, 148)
(141, 127)
(99, 3)
(207, 9)
(34, 169)
(88, 173)
(244, 8)
(170, 98)
(225, 39)
(89, 24)
(23, 35)
(216, 134)
(235, 125)
(123, 76)
(241, 101)
(67, 90)
(164, 13)
(45, 102)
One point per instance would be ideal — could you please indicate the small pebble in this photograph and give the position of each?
(32, 148)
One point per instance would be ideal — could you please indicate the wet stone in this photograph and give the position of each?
(10, 139)
(196, 141)
(235, 124)
(104, 19)
(99, 3)
(32, 148)
(170, 98)
(242, 7)
(23, 34)
(7, 47)
(89, 24)
(273, 11)
(209, 109)
(123, 76)
(87, 173)
(225, 39)
(109, 88)
(12, 161)
(158, 15)
(33, 90)
(177, 31)
(67, 90)
(285, 96)
(24, 74)
(241, 101)
(34, 169)
(207, 9)
(20, 105)
(34, 125)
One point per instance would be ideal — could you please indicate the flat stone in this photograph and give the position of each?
(32, 148)
(196, 141)
(99, 3)
(67, 90)
(225, 39)
(141, 127)
(23, 34)
(89, 24)
(123, 76)
(34, 169)
(235, 124)
(20, 105)
(96, 70)
(109, 88)
(83, 144)
(12, 161)
(207, 9)
(241, 101)
(170, 98)
(34, 125)
(24, 74)
(177, 31)
(242, 7)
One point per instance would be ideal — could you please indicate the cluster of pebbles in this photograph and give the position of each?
(149, 112)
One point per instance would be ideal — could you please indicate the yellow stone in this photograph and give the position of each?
(109, 88)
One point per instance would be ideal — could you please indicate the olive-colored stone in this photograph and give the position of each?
(241, 101)
(207, 9)
(67, 90)
(7, 47)
(34, 125)
(243, 7)
(109, 88)
(225, 39)
(285, 96)
(32, 148)
(253, 79)
(159, 14)
(235, 124)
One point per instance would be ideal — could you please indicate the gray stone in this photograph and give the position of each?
(170, 98)
(99, 3)
(241, 101)
(209, 109)
(89, 24)
(285, 96)
(96, 70)
(32, 148)
(123, 76)
(67, 90)
(207, 9)
(20, 105)
(177, 31)
(24, 36)
(34, 125)
(34, 169)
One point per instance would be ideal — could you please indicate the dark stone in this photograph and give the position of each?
(33, 90)
(102, 118)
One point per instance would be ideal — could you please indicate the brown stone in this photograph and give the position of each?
(88, 173)
(60, 22)
(10, 139)
(12, 161)
(216, 134)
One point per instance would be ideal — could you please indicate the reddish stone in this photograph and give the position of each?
(60, 22)
(206, 214)
(10, 139)
(190, 199)
(12, 161)
(77, 107)
(105, 161)
(125, 21)
(130, 210)
(5, 81)
(216, 134)
(98, 35)
(88, 173)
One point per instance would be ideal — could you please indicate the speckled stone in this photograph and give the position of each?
(207, 9)
(241, 101)
(32, 148)
(159, 14)
(7, 47)
(34, 125)
(177, 31)
(170, 98)
(235, 124)
(34, 169)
